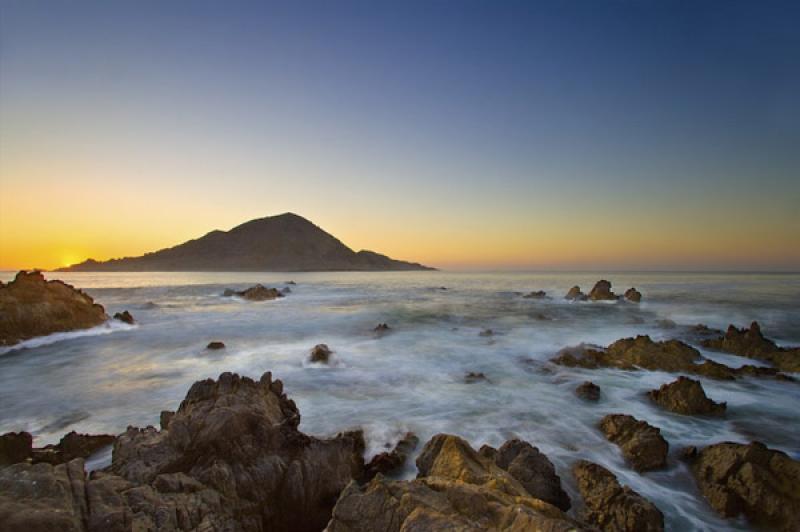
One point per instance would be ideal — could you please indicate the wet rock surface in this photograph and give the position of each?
(575, 294)
(320, 354)
(612, 507)
(686, 396)
(588, 391)
(215, 345)
(642, 444)
(751, 480)
(751, 343)
(633, 295)
(601, 291)
(31, 307)
(125, 317)
(389, 462)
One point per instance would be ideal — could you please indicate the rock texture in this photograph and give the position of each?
(31, 307)
(633, 295)
(15, 447)
(602, 292)
(686, 396)
(575, 294)
(612, 507)
(390, 462)
(72, 446)
(457, 489)
(751, 343)
(588, 391)
(642, 444)
(286, 242)
(760, 483)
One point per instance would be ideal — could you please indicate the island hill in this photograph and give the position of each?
(286, 242)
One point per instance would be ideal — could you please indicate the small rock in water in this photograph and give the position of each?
(286, 290)
(125, 317)
(633, 295)
(291, 282)
(321, 353)
(539, 294)
(642, 444)
(575, 294)
(486, 332)
(215, 345)
(666, 324)
(389, 462)
(474, 376)
(588, 391)
(685, 396)
(382, 327)
(602, 292)
(255, 293)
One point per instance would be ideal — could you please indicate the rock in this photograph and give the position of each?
(72, 446)
(575, 294)
(255, 293)
(389, 462)
(751, 343)
(124, 317)
(15, 447)
(474, 376)
(31, 307)
(382, 328)
(286, 290)
(686, 396)
(760, 483)
(666, 324)
(291, 283)
(602, 292)
(456, 489)
(588, 391)
(229, 292)
(215, 345)
(320, 354)
(612, 507)
(633, 295)
(532, 469)
(539, 294)
(642, 444)
(486, 332)
(542, 317)
(165, 418)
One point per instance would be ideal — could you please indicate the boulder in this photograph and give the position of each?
(255, 293)
(539, 294)
(612, 507)
(641, 443)
(320, 354)
(751, 480)
(31, 307)
(633, 295)
(602, 292)
(15, 447)
(751, 343)
(72, 446)
(588, 391)
(575, 294)
(125, 317)
(389, 462)
(215, 345)
(685, 396)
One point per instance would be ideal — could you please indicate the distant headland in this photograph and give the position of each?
(286, 242)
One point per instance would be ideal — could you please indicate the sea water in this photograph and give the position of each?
(412, 378)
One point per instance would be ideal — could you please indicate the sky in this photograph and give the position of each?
(602, 134)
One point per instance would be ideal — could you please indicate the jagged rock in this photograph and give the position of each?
(602, 292)
(474, 376)
(389, 462)
(761, 483)
(15, 447)
(633, 295)
(255, 293)
(751, 343)
(72, 446)
(125, 317)
(486, 332)
(612, 507)
(382, 328)
(575, 294)
(457, 489)
(215, 345)
(685, 396)
(31, 307)
(321, 354)
(539, 294)
(641, 443)
(532, 469)
(588, 391)
(164, 419)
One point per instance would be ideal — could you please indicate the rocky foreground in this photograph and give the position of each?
(232, 458)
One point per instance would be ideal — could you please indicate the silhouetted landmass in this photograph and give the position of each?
(286, 242)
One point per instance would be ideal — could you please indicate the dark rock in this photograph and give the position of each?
(751, 343)
(760, 483)
(612, 507)
(291, 283)
(389, 462)
(602, 292)
(486, 332)
(588, 391)
(215, 345)
(321, 354)
(382, 327)
(229, 292)
(539, 294)
(165, 418)
(633, 295)
(15, 447)
(641, 444)
(125, 317)
(575, 294)
(31, 307)
(72, 446)
(686, 396)
(286, 290)
(260, 293)
(474, 376)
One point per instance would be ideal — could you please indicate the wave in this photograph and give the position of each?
(108, 327)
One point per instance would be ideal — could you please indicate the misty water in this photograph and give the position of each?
(104, 379)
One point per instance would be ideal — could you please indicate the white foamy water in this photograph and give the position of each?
(413, 377)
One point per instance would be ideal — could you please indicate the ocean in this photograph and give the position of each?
(412, 378)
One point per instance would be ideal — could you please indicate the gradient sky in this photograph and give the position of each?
(635, 134)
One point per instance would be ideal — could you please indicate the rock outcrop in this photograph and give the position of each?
(125, 317)
(686, 396)
(751, 343)
(456, 489)
(31, 307)
(612, 507)
(642, 444)
(602, 292)
(575, 294)
(588, 391)
(72, 446)
(751, 480)
(633, 295)
(390, 462)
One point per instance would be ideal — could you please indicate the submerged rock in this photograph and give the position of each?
(633, 295)
(612, 507)
(641, 443)
(320, 354)
(588, 391)
(389, 462)
(215, 345)
(686, 396)
(575, 294)
(382, 328)
(486, 332)
(760, 483)
(474, 376)
(286, 290)
(31, 307)
(602, 292)
(15, 447)
(666, 323)
(539, 294)
(125, 317)
(751, 343)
